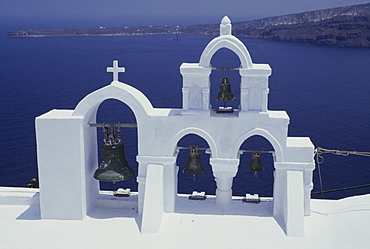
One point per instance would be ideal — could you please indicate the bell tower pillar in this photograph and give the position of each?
(196, 88)
(66, 149)
(254, 88)
(224, 171)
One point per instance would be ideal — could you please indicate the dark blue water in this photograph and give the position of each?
(325, 91)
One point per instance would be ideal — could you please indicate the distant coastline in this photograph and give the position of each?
(344, 26)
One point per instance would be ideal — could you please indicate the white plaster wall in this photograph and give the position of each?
(61, 165)
(164, 128)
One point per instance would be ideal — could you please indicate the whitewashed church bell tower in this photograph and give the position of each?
(67, 146)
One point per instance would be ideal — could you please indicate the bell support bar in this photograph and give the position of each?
(108, 125)
(226, 68)
(260, 151)
(187, 148)
(208, 150)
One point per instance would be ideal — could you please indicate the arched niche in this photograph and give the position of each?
(115, 111)
(246, 182)
(173, 144)
(231, 45)
(186, 183)
(265, 134)
(195, 97)
(87, 109)
(251, 99)
(255, 97)
(225, 58)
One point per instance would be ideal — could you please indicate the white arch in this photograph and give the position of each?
(263, 133)
(132, 97)
(226, 41)
(192, 130)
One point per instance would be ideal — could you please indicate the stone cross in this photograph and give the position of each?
(115, 70)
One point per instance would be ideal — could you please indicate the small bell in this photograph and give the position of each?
(113, 166)
(194, 165)
(255, 164)
(225, 93)
(33, 183)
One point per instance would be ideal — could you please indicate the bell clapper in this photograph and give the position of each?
(255, 174)
(194, 177)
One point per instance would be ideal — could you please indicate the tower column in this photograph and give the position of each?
(289, 202)
(308, 186)
(55, 130)
(254, 88)
(169, 185)
(196, 87)
(224, 171)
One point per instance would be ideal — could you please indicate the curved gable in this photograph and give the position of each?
(263, 133)
(132, 97)
(229, 42)
(192, 130)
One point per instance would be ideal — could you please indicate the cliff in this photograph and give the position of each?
(343, 26)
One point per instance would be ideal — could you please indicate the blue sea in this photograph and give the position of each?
(325, 91)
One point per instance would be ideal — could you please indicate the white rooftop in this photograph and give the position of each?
(332, 224)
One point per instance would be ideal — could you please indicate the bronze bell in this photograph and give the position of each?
(256, 164)
(225, 93)
(194, 165)
(113, 166)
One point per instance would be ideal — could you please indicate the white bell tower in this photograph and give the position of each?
(254, 77)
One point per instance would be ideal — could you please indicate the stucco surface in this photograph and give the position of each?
(333, 224)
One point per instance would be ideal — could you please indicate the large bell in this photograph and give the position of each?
(225, 93)
(194, 165)
(256, 164)
(113, 166)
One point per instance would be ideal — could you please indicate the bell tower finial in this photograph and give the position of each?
(225, 26)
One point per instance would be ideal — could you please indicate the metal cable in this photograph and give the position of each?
(340, 189)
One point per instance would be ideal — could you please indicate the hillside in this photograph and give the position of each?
(346, 26)
(343, 26)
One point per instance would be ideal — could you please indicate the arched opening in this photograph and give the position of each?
(115, 111)
(245, 181)
(225, 58)
(202, 182)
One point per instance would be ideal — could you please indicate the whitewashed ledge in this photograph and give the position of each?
(333, 224)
